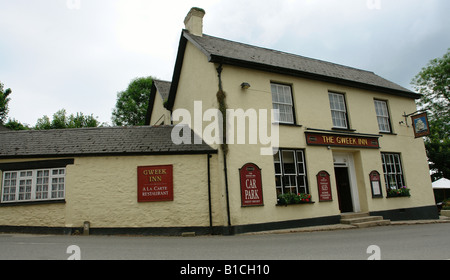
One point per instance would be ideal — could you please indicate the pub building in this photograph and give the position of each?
(215, 158)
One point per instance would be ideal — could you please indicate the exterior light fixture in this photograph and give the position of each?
(245, 85)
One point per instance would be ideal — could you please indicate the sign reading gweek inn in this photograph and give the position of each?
(155, 183)
(341, 140)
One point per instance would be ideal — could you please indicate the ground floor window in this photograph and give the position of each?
(393, 171)
(33, 185)
(290, 172)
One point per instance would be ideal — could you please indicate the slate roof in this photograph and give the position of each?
(163, 88)
(3, 128)
(104, 141)
(223, 51)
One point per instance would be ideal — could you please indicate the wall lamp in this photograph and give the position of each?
(245, 85)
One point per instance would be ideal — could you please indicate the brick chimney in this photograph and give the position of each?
(194, 21)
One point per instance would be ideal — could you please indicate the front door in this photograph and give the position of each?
(343, 189)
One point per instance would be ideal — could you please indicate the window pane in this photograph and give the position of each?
(288, 162)
(292, 176)
(338, 110)
(393, 171)
(382, 116)
(282, 101)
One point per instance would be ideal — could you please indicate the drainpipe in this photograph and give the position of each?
(222, 108)
(209, 194)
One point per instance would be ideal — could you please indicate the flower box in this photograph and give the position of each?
(401, 192)
(292, 198)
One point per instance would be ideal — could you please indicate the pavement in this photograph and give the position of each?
(442, 219)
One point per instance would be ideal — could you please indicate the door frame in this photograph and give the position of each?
(346, 160)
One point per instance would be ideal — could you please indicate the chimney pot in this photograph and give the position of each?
(194, 21)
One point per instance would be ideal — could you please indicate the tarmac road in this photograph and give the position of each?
(395, 242)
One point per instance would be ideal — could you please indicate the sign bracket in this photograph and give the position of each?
(409, 115)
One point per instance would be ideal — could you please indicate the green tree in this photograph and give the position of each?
(4, 100)
(433, 82)
(61, 120)
(14, 124)
(131, 106)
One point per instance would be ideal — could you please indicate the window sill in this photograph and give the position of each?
(387, 133)
(286, 205)
(398, 196)
(27, 203)
(287, 124)
(343, 129)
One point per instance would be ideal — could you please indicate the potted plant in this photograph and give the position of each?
(292, 198)
(401, 192)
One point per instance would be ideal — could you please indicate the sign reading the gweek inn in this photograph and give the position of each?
(341, 140)
(155, 183)
(251, 185)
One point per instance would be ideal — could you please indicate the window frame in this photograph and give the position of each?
(300, 176)
(33, 185)
(393, 171)
(386, 118)
(336, 110)
(286, 104)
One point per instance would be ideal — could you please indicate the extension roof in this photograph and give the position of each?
(218, 50)
(101, 141)
(163, 87)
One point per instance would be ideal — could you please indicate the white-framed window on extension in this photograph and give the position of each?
(282, 100)
(33, 185)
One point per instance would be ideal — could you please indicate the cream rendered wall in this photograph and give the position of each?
(199, 81)
(159, 113)
(312, 111)
(103, 191)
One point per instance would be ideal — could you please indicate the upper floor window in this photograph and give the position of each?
(383, 119)
(282, 100)
(338, 110)
(33, 185)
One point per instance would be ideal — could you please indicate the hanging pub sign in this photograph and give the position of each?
(155, 183)
(324, 185)
(341, 140)
(251, 185)
(375, 183)
(420, 125)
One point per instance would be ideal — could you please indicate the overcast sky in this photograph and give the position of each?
(77, 54)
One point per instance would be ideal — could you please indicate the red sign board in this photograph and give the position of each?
(251, 185)
(155, 183)
(341, 140)
(375, 184)
(324, 185)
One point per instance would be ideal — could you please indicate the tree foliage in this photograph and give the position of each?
(4, 100)
(433, 82)
(61, 120)
(131, 106)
